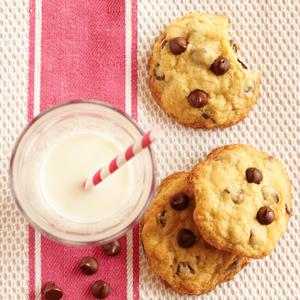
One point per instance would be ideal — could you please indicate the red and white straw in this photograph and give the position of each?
(121, 159)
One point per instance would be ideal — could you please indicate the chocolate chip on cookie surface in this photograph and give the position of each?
(178, 45)
(220, 66)
(186, 238)
(241, 198)
(180, 201)
(176, 252)
(253, 175)
(197, 98)
(195, 53)
(265, 215)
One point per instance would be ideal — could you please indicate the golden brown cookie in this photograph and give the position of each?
(243, 200)
(175, 250)
(195, 76)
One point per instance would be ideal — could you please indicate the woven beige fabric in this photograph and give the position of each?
(268, 34)
(14, 21)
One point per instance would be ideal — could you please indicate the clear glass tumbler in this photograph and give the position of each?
(28, 155)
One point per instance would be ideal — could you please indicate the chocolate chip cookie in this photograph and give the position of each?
(175, 250)
(195, 76)
(243, 200)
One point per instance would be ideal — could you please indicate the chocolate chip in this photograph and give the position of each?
(89, 265)
(161, 218)
(52, 292)
(163, 44)
(158, 75)
(276, 197)
(112, 248)
(253, 175)
(186, 238)
(184, 268)
(265, 215)
(205, 116)
(288, 211)
(234, 46)
(178, 45)
(251, 237)
(226, 191)
(100, 289)
(160, 78)
(220, 66)
(232, 267)
(197, 98)
(242, 64)
(180, 201)
(208, 117)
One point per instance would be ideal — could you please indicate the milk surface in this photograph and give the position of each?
(65, 168)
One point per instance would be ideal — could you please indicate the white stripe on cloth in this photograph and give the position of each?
(128, 42)
(36, 111)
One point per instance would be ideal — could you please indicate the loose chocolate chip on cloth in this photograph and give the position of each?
(235, 200)
(112, 248)
(89, 265)
(52, 292)
(176, 252)
(100, 289)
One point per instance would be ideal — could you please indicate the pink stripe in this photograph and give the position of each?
(134, 111)
(146, 140)
(134, 10)
(83, 51)
(31, 248)
(136, 263)
(129, 153)
(113, 165)
(31, 59)
(83, 56)
(61, 264)
(30, 109)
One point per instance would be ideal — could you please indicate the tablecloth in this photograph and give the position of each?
(53, 51)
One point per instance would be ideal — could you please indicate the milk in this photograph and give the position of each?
(66, 166)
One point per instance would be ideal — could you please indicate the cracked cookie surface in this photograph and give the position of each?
(175, 250)
(243, 200)
(195, 76)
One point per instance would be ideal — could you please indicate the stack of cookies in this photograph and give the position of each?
(204, 226)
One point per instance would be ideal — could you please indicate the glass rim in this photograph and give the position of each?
(12, 183)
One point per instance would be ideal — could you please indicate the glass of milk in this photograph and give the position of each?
(56, 153)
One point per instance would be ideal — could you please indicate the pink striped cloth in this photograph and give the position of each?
(78, 50)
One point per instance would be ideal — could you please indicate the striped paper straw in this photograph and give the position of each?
(121, 159)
